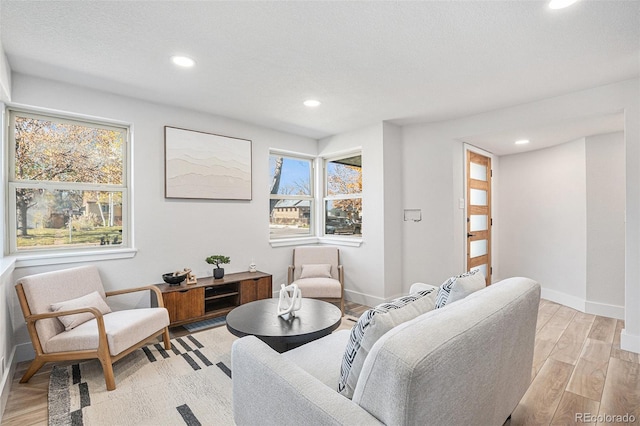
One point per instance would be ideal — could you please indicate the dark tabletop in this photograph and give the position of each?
(315, 319)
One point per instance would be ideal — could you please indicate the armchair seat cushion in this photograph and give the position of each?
(123, 328)
(319, 287)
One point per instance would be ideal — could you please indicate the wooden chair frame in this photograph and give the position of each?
(102, 353)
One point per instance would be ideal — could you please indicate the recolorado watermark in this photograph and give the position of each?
(605, 418)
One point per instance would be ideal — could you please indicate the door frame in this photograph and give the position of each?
(492, 220)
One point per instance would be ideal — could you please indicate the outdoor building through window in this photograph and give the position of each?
(67, 183)
(343, 196)
(291, 207)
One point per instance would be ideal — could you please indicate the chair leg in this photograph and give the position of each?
(166, 338)
(109, 378)
(35, 365)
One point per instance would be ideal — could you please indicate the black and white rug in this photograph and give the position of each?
(190, 384)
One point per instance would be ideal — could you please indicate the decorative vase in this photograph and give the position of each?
(218, 273)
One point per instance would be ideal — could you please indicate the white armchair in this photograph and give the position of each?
(318, 273)
(68, 319)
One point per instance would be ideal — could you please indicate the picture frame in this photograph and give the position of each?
(200, 165)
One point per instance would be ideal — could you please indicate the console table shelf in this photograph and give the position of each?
(210, 298)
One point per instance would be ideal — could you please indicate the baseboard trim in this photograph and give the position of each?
(604, 310)
(7, 380)
(563, 299)
(629, 342)
(362, 298)
(24, 352)
(588, 307)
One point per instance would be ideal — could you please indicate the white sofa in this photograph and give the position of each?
(466, 363)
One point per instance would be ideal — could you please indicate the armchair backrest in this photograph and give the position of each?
(316, 255)
(41, 290)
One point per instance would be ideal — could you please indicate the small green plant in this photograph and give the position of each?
(218, 260)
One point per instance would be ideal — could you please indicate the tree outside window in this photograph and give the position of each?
(291, 204)
(67, 183)
(343, 200)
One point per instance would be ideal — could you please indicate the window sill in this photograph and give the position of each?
(7, 265)
(344, 241)
(25, 260)
(336, 241)
(288, 242)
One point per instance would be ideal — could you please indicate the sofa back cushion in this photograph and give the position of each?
(372, 325)
(467, 363)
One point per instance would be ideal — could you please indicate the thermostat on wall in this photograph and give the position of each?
(412, 214)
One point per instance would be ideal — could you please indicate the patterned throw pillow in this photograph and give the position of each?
(372, 325)
(445, 289)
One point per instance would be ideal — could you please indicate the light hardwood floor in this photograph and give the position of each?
(578, 367)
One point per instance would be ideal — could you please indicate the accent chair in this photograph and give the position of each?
(68, 319)
(318, 273)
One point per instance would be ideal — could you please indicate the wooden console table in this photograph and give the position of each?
(210, 298)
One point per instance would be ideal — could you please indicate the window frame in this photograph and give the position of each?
(326, 197)
(62, 254)
(282, 240)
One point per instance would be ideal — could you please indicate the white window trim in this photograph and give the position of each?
(328, 238)
(68, 255)
(291, 240)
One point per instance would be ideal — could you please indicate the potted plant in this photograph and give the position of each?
(218, 260)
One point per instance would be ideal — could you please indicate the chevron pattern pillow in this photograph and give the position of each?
(445, 289)
(372, 325)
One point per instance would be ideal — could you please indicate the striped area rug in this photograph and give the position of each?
(189, 384)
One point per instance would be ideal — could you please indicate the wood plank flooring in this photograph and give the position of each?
(578, 368)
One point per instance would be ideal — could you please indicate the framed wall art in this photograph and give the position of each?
(201, 165)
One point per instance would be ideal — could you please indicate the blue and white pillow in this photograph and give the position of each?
(372, 325)
(476, 281)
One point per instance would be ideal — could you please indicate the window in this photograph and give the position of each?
(67, 184)
(291, 207)
(343, 196)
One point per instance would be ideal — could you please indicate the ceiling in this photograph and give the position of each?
(404, 62)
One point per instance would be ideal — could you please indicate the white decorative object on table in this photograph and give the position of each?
(289, 303)
(252, 266)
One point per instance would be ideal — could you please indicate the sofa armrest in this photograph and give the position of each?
(268, 389)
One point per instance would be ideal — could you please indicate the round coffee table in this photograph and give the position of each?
(315, 319)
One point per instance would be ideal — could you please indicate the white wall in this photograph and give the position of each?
(605, 166)
(5, 75)
(173, 234)
(543, 215)
(7, 341)
(393, 212)
(433, 181)
(365, 266)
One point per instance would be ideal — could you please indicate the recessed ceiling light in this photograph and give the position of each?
(522, 142)
(561, 4)
(183, 61)
(311, 103)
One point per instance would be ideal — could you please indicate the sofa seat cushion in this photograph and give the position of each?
(322, 358)
(373, 324)
(319, 287)
(124, 329)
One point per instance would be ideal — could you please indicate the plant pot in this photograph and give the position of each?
(218, 273)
